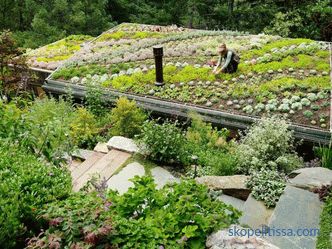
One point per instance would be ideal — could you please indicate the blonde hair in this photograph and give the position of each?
(222, 48)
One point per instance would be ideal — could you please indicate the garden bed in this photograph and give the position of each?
(48, 58)
(276, 75)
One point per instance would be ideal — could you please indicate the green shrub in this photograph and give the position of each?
(49, 124)
(12, 124)
(178, 216)
(204, 135)
(268, 144)
(211, 148)
(80, 221)
(94, 100)
(83, 128)
(325, 154)
(26, 185)
(162, 142)
(127, 119)
(267, 186)
(324, 237)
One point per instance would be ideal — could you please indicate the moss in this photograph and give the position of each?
(254, 53)
(324, 237)
(60, 50)
(128, 35)
(148, 165)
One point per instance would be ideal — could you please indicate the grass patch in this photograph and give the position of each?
(148, 165)
(324, 238)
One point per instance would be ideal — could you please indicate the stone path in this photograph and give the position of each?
(120, 182)
(255, 213)
(101, 164)
(297, 208)
(122, 143)
(106, 159)
(161, 177)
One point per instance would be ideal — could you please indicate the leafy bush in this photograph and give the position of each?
(211, 148)
(83, 128)
(268, 144)
(80, 221)
(267, 186)
(324, 237)
(325, 154)
(26, 185)
(162, 142)
(12, 124)
(204, 135)
(49, 124)
(94, 100)
(177, 216)
(127, 118)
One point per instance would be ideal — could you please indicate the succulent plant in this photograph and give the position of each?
(312, 96)
(308, 114)
(305, 102)
(248, 109)
(284, 107)
(296, 106)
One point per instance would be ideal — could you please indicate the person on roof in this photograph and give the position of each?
(229, 58)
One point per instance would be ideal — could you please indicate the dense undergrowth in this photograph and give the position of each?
(37, 203)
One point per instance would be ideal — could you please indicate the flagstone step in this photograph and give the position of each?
(104, 167)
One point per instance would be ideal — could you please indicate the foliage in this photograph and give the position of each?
(283, 23)
(26, 184)
(324, 237)
(49, 122)
(15, 77)
(210, 147)
(80, 221)
(162, 142)
(127, 119)
(94, 100)
(38, 23)
(268, 144)
(178, 216)
(83, 128)
(267, 186)
(325, 154)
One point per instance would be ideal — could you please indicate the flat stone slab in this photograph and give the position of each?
(227, 239)
(230, 185)
(123, 144)
(82, 154)
(101, 147)
(229, 200)
(296, 209)
(255, 213)
(120, 182)
(311, 178)
(162, 176)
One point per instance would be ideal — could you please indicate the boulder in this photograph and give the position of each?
(82, 154)
(123, 144)
(311, 178)
(255, 213)
(226, 239)
(230, 185)
(101, 147)
(296, 209)
(235, 202)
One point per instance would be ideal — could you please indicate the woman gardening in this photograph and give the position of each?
(229, 57)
